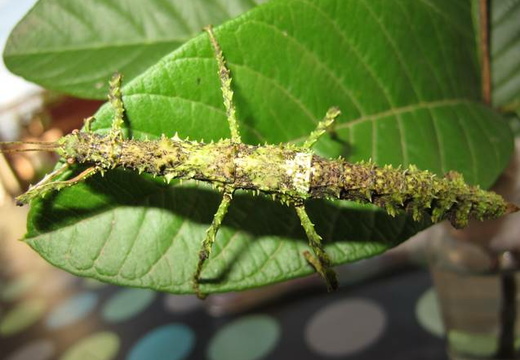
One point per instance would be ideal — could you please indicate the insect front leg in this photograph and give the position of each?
(225, 85)
(88, 122)
(323, 126)
(320, 260)
(208, 241)
(116, 100)
(47, 184)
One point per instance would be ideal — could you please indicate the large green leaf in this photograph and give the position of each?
(404, 74)
(74, 46)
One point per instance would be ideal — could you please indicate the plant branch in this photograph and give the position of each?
(484, 51)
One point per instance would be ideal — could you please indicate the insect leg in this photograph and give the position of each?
(320, 260)
(116, 101)
(46, 184)
(225, 85)
(208, 241)
(322, 127)
(88, 121)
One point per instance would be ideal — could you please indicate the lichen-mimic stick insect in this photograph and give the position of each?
(291, 174)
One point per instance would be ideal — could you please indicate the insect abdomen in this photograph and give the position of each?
(420, 193)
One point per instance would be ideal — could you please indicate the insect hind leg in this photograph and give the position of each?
(320, 260)
(207, 243)
(225, 85)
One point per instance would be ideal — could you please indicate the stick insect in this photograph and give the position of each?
(289, 173)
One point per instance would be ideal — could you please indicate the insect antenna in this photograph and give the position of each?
(7, 147)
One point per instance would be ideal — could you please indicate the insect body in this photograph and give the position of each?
(291, 174)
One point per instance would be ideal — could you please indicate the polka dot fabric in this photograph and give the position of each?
(389, 317)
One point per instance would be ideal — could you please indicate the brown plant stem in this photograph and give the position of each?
(484, 51)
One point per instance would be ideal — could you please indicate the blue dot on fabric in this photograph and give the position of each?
(167, 342)
(126, 304)
(72, 310)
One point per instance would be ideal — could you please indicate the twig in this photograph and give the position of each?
(484, 51)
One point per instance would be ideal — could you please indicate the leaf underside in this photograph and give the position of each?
(403, 73)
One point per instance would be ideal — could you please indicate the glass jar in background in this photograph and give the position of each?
(479, 296)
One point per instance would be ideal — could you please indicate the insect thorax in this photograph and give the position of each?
(282, 170)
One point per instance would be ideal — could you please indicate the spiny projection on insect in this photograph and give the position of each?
(289, 173)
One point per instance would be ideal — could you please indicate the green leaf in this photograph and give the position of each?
(74, 46)
(505, 54)
(404, 74)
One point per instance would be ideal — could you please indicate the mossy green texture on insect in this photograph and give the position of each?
(420, 193)
(293, 174)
